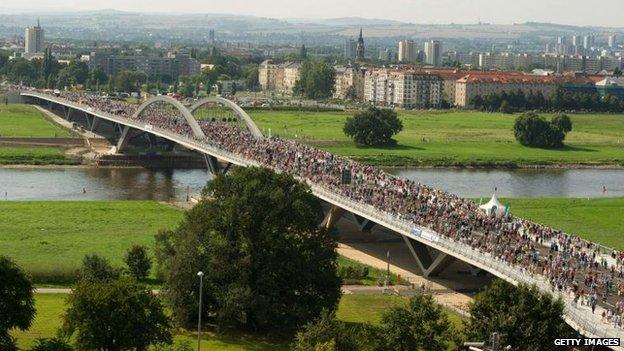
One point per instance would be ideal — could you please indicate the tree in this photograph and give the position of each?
(373, 127)
(138, 261)
(53, 344)
(240, 235)
(130, 81)
(316, 80)
(526, 318)
(421, 325)
(328, 333)
(115, 315)
(530, 129)
(505, 107)
(617, 72)
(351, 93)
(97, 268)
(17, 305)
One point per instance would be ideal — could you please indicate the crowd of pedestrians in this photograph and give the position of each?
(572, 265)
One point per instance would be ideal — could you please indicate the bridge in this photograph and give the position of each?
(432, 251)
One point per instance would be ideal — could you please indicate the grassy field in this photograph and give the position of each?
(352, 308)
(35, 156)
(18, 120)
(49, 239)
(455, 138)
(599, 220)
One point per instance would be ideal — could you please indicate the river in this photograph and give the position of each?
(82, 183)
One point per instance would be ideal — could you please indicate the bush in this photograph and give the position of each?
(53, 344)
(373, 127)
(328, 333)
(138, 262)
(353, 272)
(115, 315)
(97, 268)
(531, 129)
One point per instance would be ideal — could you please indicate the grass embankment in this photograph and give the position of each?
(18, 120)
(455, 138)
(26, 122)
(598, 220)
(352, 308)
(50, 238)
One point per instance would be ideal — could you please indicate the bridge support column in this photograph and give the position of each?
(96, 123)
(124, 138)
(431, 262)
(213, 165)
(331, 218)
(89, 123)
(365, 225)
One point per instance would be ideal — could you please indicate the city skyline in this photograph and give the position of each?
(409, 11)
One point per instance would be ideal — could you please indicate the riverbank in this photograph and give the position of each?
(457, 139)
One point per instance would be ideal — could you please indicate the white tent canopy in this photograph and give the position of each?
(494, 207)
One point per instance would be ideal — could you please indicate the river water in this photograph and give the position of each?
(77, 183)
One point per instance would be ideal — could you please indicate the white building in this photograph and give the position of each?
(433, 52)
(34, 40)
(403, 89)
(408, 51)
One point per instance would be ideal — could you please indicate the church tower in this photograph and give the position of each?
(360, 47)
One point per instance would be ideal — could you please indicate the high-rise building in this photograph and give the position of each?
(360, 47)
(350, 50)
(408, 51)
(34, 39)
(433, 52)
(588, 41)
(211, 35)
(576, 40)
(612, 41)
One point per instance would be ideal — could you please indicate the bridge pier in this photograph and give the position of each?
(333, 215)
(364, 224)
(214, 167)
(124, 138)
(431, 262)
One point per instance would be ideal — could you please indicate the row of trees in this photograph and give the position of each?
(560, 100)
(525, 318)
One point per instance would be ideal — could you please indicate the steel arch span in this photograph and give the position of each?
(188, 116)
(253, 128)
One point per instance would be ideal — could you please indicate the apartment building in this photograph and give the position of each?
(468, 87)
(347, 77)
(402, 88)
(279, 77)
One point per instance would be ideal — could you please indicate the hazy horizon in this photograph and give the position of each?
(571, 12)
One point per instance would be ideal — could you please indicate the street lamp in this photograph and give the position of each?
(200, 274)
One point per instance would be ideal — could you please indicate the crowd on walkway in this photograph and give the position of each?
(572, 265)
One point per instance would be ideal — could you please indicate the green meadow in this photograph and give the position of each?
(455, 138)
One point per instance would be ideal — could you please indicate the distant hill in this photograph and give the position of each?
(349, 21)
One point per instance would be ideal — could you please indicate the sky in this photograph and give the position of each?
(575, 12)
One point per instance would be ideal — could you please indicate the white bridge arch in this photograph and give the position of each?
(253, 128)
(188, 116)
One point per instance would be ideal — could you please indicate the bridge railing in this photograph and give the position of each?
(584, 321)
